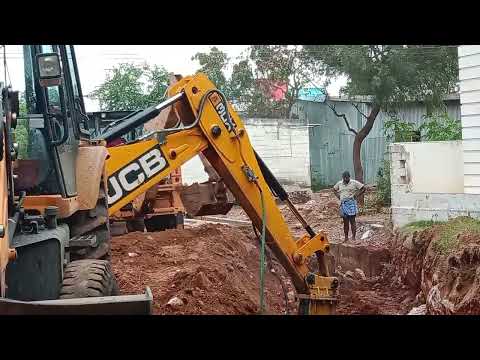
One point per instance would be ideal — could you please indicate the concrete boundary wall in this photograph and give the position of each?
(282, 144)
(410, 206)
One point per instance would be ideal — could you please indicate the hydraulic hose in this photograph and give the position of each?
(262, 253)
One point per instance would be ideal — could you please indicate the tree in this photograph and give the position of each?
(391, 75)
(253, 77)
(241, 85)
(132, 87)
(157, 84)
(213, 64)
(283, 64)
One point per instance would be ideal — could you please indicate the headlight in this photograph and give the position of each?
(49, 66)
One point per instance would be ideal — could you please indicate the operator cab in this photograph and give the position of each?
(54, 121)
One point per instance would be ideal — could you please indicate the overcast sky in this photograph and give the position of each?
(95, 60)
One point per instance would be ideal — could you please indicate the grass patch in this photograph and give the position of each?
(448, 231)
(447, 240)
(421, 225)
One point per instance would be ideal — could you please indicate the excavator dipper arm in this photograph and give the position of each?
(212, 127)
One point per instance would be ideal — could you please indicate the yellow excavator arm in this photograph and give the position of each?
(210, 126)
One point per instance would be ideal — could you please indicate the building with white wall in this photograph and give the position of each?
(441, 180)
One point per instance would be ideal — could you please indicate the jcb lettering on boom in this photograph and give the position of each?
(221, 110)
(134, 174)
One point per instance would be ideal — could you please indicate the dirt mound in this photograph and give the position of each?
(212, 269)
(441, 262)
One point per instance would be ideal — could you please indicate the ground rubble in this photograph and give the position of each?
(441, 263)
(212, 268)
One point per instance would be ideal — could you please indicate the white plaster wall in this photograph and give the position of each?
(433, 167)
(192, 171)
(420, 183)
(283, 146)
(411, 207)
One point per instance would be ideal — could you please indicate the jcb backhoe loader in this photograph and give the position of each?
(54, 228)
(59, 213)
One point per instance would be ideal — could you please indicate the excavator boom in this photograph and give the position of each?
(211, 126)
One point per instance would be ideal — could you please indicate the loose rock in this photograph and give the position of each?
(367, 234)
(291, 296)
(349, 274)
(175, 302)
(360, 274)
(419, 310)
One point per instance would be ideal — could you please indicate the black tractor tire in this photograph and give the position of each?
(88, 278)
(136, 225)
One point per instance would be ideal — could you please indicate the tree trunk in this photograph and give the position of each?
(357, 146)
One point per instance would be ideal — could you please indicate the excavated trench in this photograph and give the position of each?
(350, 257)
(440, 262)
(433, 268)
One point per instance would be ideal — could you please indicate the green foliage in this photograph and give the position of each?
(241, 86)
(213, 64)
(420, 225)
(448, 238)
(383, 194)
(265, 64)
(157, 79)
(392, 74)
(288, 64)
(21, 131)
(441, 127)
(132, 87)
(21, 137)
(437, 127)
(448, 231)
(398, 131)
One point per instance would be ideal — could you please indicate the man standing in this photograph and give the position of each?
(347, 191)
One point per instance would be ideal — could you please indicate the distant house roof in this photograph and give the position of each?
(275, 90)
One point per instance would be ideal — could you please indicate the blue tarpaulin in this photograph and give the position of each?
(312, 94)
